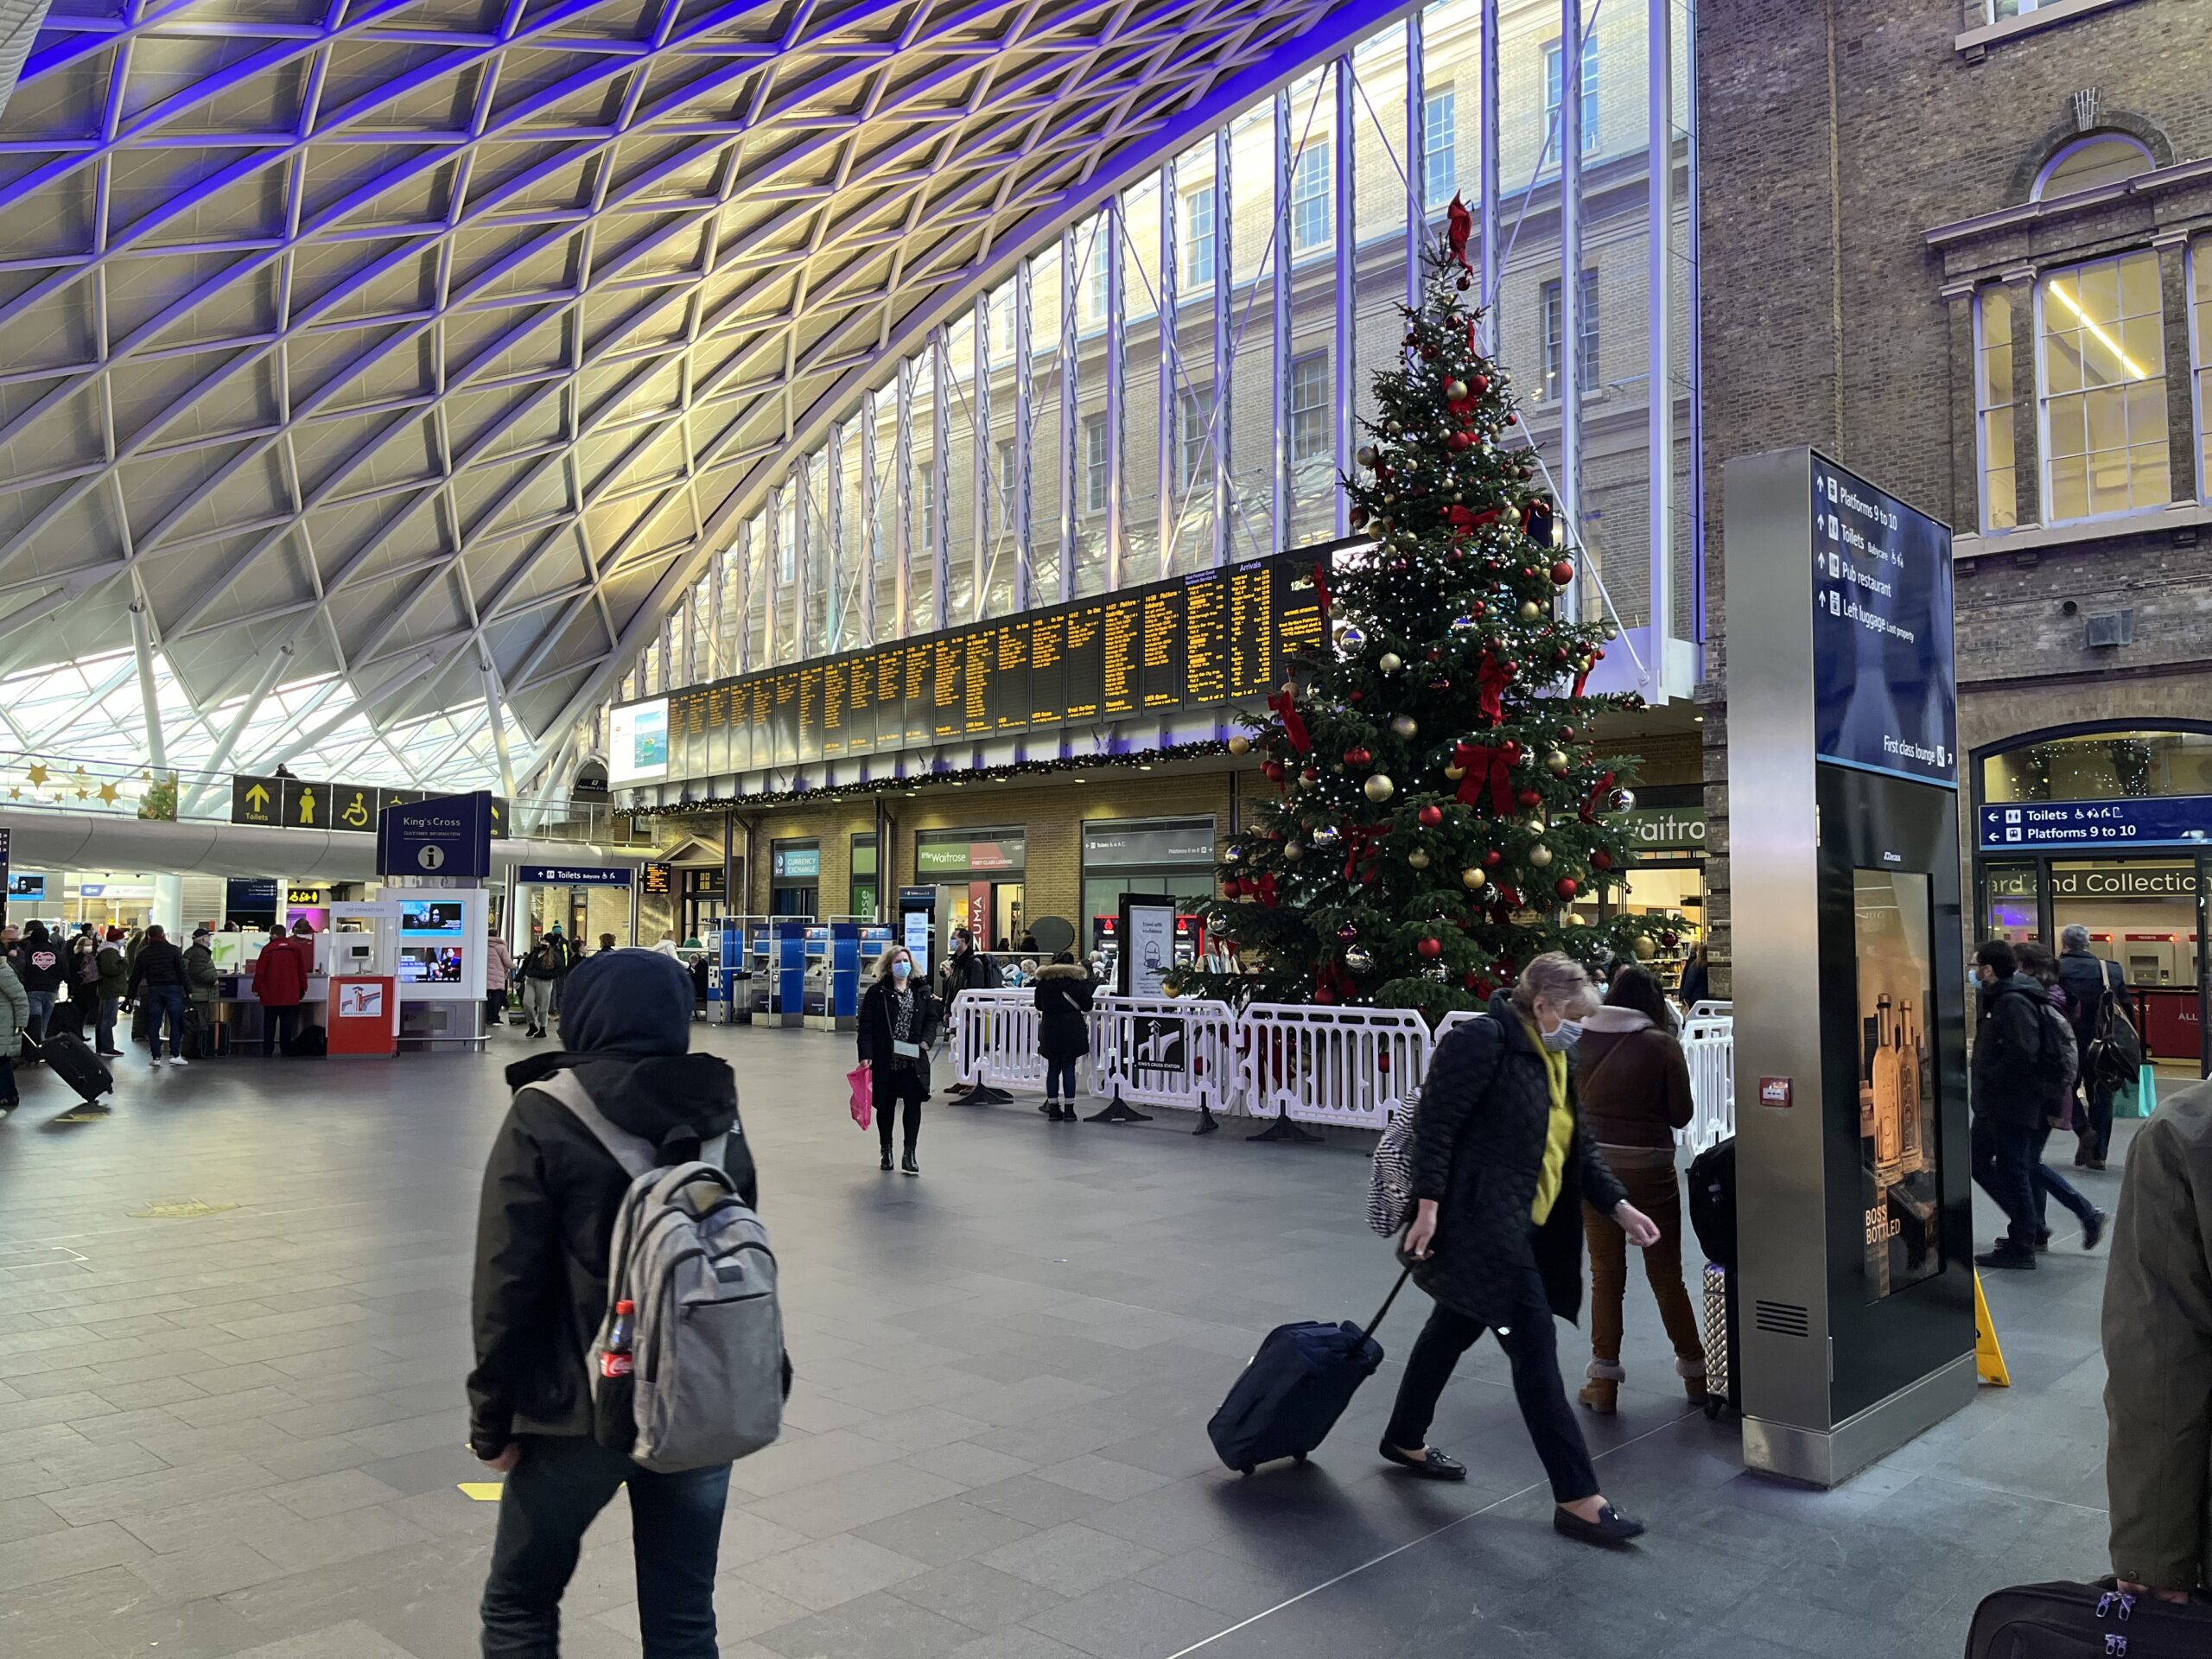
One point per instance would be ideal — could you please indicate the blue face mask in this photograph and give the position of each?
(1563, 1036)
(1974, 982)
(901, 970)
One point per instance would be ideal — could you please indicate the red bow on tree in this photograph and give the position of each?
(1598, 790)
(1491, 680)
(1356, 848)
(1321, 587)
(1293, 723)
(1458, 225)
(1485, 767)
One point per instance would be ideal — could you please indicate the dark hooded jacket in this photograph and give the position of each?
(550, 1191)
(2014, 1081)
(1063, 994)
(1479, 1149)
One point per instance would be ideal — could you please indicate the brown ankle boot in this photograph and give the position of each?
(1601, 1394)
(1692, 1372)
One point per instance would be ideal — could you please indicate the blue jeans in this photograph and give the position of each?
(107, 1025)
(1059, 1080)
(165, 1006)
(2004, 1161)
(41, 1016)
(551, 1497)
(2049, 1183)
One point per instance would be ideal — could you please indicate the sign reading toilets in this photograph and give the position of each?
(1885, 692)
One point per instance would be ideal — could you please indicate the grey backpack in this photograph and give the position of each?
(706, 1382)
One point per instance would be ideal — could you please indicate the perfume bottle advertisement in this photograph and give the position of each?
(1899, 1150)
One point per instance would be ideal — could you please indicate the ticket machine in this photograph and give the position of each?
(362, 953)
(444, 936)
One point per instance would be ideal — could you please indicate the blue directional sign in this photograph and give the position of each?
(449, 835)
(2054, 826)
(1884, 681)
(572, 876)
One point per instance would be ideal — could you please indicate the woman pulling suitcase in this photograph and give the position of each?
(1500, 1170)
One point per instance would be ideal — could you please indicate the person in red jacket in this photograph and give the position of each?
(280, 984)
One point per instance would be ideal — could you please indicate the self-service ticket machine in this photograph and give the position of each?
(1853, 1292)
(443, 939)
(362, 953)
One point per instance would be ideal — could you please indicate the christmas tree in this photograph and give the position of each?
(1439, 804)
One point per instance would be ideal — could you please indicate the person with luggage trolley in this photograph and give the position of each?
(1500, 1170)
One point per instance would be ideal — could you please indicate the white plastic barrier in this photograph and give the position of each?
(1345, 1066)
(1709, 1044)
(1164, 1051)
(1712, 1008)
(994, 1039)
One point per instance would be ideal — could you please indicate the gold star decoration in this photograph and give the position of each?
(36, 774)
(14, 794)
(82, 793)
(110, 793)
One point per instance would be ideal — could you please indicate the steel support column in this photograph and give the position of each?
(745, 596)
(1025, 395)
(1279, 397)
(1568, 474)
(802, 534)
(1416, 164)
(979, 474)
(1486, 211)
(1659, 327)
(771, 604)
(1694, 340)
(940, 478)
(1070, 426)
(902, 468)
(1343, 354)
(1116, 394)
(871, 518)
(1170, 374)
(833, 540)
(1224, 276)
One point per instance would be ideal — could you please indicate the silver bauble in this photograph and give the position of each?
(1403, 725)
(1625, 800)
(1418, 859)
(1293, 851)
(1390, 661)
(1359, 959)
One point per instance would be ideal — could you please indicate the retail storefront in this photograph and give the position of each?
(1175, 857)
(863, 882)
(795, 878)
(978, 874)
(2107, 826)
(1667, 872)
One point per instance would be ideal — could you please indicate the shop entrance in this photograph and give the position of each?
(978, 877)
(2108, 829)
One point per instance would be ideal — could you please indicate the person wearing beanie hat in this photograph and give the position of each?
(200, 985)
(544, 1231)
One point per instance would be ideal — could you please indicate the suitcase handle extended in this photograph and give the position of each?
(1382, 1312)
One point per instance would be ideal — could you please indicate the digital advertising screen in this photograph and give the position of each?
(1900, 1146)
(441, 917)
(637, 743)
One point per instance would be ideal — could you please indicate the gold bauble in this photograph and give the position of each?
(1530, 610)
(1556, 761)
(1472, 879)
(1293, 851)
(1418, 859)
(1539, 855)
(1240, 744)
(1455, 773)
(1379, 788)
(1644, 950)
(1390, 661)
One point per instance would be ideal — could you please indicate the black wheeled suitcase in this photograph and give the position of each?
(1294, 1389)
(76, 1065)
(2077, 1621)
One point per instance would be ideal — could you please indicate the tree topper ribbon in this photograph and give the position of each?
(1486, 766)
(1321, 585)
(1458, 225)
(1293, 723)
(1599, 791)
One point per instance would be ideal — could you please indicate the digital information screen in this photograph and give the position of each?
(1199, 641)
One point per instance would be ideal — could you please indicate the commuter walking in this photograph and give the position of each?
(541, 973)
(1696, 985)
(280, 985)
(898, 1019)
(545, 1235)
(2008, 1096)
(1064, 996)
(2093, 983)
(2059, 1102)
(115, 980)
(1635, 1088)
(201, 983)
(1500, 1170)
(157, 979)
(40, 963)
(2158, 1343)
(83, 978)
(499, 968)
(566, 953)
(14, 1012)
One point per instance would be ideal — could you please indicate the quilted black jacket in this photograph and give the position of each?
(1479, 1148)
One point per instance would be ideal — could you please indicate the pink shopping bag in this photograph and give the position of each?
(863, 1095)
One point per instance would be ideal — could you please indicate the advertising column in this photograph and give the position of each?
(1853, 1292)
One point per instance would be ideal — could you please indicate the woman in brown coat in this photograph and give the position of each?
(1636, 1093)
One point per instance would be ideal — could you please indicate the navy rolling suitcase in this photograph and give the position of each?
(1294, 1389)
(2086, 1621)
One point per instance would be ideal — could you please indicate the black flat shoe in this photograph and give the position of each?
(1611, 1527)
(886, 1161)
(2093, 1229)
(1432, 1465)
(2006, 1258)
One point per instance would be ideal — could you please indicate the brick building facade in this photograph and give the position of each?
(1969, 252)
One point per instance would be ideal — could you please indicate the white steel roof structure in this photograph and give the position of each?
(376, 374)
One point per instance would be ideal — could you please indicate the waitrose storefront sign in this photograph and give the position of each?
(1664, 828)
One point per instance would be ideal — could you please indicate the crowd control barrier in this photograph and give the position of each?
(1288, 1062)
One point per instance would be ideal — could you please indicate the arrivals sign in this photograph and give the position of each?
(2053, 826)
(1884, 686)
(349, 809)
(658, 880)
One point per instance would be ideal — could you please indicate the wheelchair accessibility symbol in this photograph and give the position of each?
(356, 815)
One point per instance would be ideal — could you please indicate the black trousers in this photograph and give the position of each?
(2003, 1165)
(892, 1087)
(1532, 1345)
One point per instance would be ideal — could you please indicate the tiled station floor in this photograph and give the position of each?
(233, 1330)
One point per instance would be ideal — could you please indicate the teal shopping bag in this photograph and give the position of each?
(2138, 1099)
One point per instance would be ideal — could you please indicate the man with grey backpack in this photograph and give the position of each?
(624, 1313)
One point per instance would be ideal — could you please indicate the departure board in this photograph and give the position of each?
(1212, 637)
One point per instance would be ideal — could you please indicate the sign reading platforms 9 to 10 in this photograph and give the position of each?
(1884, 690)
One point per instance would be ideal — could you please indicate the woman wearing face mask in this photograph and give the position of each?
(1501, 1171)
(897, 1020)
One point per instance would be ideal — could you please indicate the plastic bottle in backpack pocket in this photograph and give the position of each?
(617, 1360)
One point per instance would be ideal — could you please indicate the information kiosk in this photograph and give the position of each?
(1854, 1288)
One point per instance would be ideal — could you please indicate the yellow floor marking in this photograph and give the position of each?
(484, 1492)
(185, 1209)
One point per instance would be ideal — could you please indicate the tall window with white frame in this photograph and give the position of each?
(1092, 311)
(2200, 331)
(1197, 239)
(1993, 407)
(1588, 367)
(1309, 198)
(1439, 150)
(1094, 463)
(2102, 383)
(1312, 433)
(1554, 89)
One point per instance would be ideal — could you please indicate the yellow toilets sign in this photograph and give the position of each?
(348, 809)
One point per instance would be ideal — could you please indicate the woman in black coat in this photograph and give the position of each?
(1063, 997)
(898, 1021)
(1501, 1171)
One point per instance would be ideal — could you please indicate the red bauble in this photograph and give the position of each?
(1491, 859)
(1670, 939)
(1511, 419)
(1273, 770)
(1356, 757)
(1431, 816)
(1564, 886)
(1529, 797)
(1356, 695)
(1471, 979)
(1527, 573)
(1431, 947)
(1459, 441)
(1601, 860)
(1566, 733)
(1322, 993)
(1435, 653)
(1311, 775)
(1563, 572)
(1383, 1061)
(1478, 384)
